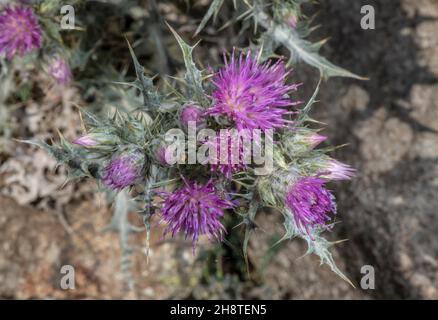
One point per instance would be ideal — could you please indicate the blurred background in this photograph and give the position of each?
(390, 123)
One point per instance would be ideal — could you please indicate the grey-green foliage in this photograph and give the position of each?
(276, 32)
(123, 204)
(145, 84)
(193, 76)
(316, 244)
(77, 161)
(116, 131)
(302, 49)
(6, 88)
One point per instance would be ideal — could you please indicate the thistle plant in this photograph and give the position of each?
(130, 152)
(30, 40)
(278, 23)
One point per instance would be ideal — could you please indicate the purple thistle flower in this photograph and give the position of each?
(60, 70)
(20, 31)
(85, 141)
(252, 95)
(335, 170)
(194, 209)
(123, 171)
(311, 203)
(191, 113)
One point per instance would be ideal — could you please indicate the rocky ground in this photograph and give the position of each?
(388, 212)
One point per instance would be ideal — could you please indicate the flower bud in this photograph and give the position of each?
(291, 20)
(124, 170)
(97, 140)
(311, 203)
(160, 155)
(60, 70)
(332, 169)
(194, 113)
(85, 141)
(315, 139)
(302, 141)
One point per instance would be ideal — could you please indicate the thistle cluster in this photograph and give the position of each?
(22, 33)
(130, 151)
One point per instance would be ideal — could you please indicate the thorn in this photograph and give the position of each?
(82, 122)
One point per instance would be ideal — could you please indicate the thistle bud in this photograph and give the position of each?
(97, 140)
(164, 156)
(311, 203)
(60, 70)
(160, 155)
(272, 188)
(85, 141)
(332, 169)
(291, 20)
(124, 170)
(290, 14)
(302, 141)
(315, 139)
(194, 113)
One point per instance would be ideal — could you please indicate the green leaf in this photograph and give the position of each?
(193, 76)
(305, 111)
(120, 224)
(320, 246)
(145, 84)
(249, 227)
(301, 49)
(315, 244)
(52, 29)
(290, 228)
(148, 208)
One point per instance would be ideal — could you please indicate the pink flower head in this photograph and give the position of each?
(20, 31)
(311, 203)
(194, 209)
(60, 70)
(252, 95)
(123, 171)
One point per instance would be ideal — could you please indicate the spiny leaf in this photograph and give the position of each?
(120, 223)
(147, 210)
(145, 84)
(315, 244)
(305, 112)
(193, 76)
(214, 8)
(290, 227)
(320, 246)
(301, 49)
(254, 206)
